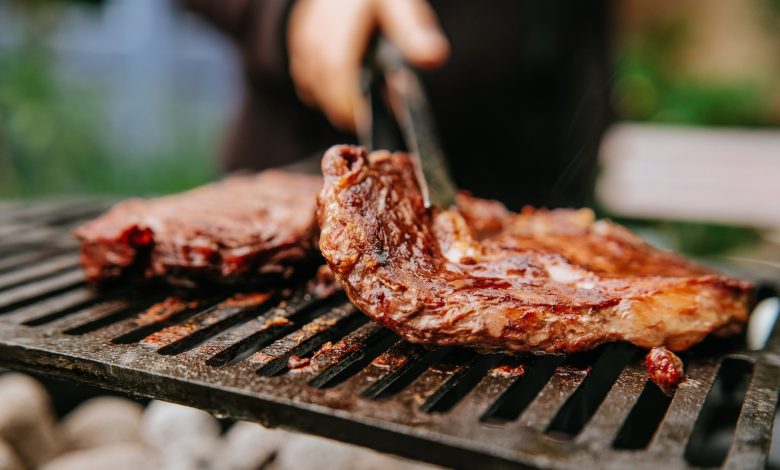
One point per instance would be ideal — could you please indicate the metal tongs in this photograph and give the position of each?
(400, 119)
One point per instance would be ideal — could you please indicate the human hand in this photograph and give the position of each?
(327, 40)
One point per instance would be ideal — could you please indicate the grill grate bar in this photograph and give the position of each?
(140, 326)
(232, 356)
(103, 315)
(673, 433)
(38, 238)
(754, 427)
(543, 408)
(424, 387)
(30, 293)
(396, 368)
(500, 375)
(18, 260)
(10, 230)
(329, 327)
(185, 335)
(42, 211)
(55, 307)
(460, 384)
(603, 427)
(25, 211)
(268, 328)
(38, 271)
(350, 355)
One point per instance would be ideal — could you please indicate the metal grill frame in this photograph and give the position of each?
(39, 278)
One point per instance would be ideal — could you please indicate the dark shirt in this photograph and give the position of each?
(520, 106)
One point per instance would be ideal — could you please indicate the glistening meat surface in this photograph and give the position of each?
(236, 230)
(480, 276)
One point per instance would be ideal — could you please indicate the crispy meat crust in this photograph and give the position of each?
(480, 276)
(235, 230)
(664, 368)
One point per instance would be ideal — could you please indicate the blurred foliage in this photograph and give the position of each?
(692, 238)
(650, 87)
(700, 239)
(52, 130)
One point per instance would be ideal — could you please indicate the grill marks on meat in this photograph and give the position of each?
(239, 229)
(480, 276)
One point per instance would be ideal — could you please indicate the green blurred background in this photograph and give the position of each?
(65, 130)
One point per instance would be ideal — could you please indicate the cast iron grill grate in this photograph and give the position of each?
(284, 356)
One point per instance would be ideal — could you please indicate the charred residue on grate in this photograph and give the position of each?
(289, 357)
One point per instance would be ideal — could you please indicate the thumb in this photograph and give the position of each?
(413, 27)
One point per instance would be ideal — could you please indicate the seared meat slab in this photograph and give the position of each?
(477, 275)
(235, 230)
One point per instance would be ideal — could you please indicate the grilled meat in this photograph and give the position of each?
(477, 275)
(239, 229)
(665, 369)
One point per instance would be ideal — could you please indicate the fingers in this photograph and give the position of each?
(413, 27)
(327, 40)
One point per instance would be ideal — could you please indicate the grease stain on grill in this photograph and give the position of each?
(300, 312)
(350, 355)
(159, 316)
(308, 341)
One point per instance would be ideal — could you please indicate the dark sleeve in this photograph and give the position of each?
(258, 28)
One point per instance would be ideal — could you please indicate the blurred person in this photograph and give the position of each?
(518, 87)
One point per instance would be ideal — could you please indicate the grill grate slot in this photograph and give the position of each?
(109, 314)
(523, 390)
(18, 260)
(640, 425)
(28, 294)
(579, 408)
(57, 307)
(676, 427)
(753, 434)
(350, 355)
(332, 326)
(407, 363)
(199, 328)
(713, 433)
(460, 384)
(37, 272)
(273, 326)
(152, 326)
(355, 380)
